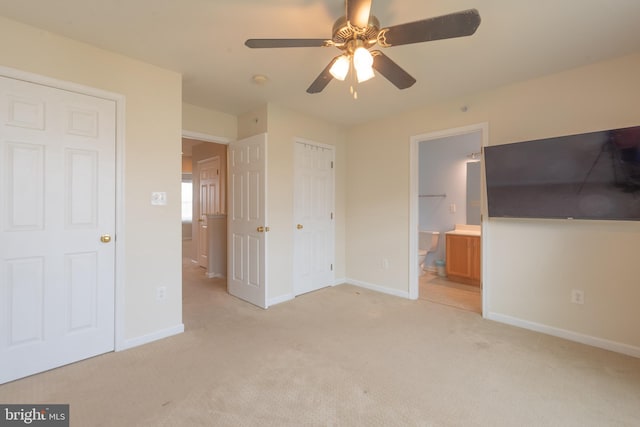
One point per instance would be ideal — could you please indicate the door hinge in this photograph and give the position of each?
(331, 215)
(332, 165)
(331, 267)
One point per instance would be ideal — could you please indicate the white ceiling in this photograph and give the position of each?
(204, 40)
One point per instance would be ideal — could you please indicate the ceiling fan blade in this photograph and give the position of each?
(457, 24)
(268, 43)
(358, 12)
(392, 71)
(323, 79)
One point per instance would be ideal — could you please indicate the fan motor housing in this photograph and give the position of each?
(343, 32)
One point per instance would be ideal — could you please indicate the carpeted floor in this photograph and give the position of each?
(341, 356)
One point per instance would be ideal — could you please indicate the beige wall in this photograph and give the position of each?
(253, 122)
(209, 122)
(282, 128)
(531, 266)
(152, 162)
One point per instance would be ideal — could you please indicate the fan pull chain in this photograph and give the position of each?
(354, 82)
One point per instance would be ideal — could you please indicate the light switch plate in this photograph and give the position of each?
(158, 198)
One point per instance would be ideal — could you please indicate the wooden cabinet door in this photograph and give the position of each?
(475, 260)
(458, 262)
(463, 258)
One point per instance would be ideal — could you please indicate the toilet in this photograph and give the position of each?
(427, 243)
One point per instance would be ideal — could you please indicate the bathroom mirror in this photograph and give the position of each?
(473, 193)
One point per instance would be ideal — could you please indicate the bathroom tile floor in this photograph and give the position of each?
(443, 291)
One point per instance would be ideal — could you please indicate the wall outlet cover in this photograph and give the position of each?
(158, 198)
(577, 296)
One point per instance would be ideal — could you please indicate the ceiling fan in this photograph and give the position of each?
(359, 31)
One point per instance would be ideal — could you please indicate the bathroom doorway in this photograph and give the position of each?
(446, 183)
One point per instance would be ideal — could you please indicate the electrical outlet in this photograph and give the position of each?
(161, 293)
(577, 296)
(453, 208)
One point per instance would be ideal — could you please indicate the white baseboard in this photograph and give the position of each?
(281, 299)
(617, 347)
(378, 288)
(215, 276)
(340, 281)
(154, 336)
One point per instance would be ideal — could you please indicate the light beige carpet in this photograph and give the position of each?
(342, 356)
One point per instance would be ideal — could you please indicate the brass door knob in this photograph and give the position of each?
(299, 227)
(105, 238)
(260, 229)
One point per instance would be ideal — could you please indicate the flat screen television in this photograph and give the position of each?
(592, 175)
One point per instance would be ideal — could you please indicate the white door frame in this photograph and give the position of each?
(205, 137)
(120, 234)
(414, 142)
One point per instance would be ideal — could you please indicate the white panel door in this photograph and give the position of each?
(208, 203)
(247, 229)
(57, 198)
(314, 241)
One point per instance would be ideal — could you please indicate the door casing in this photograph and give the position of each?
(414, 142)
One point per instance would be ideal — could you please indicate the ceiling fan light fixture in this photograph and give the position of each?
(364, 74)
(358, 31)
(340, 68)
(363, 63)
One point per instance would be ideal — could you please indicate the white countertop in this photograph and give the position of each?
(465, 230)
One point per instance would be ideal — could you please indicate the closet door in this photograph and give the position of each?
(314, 222)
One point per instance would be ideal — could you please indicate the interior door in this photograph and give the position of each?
(57, 225)
(247, 222)
(314, 217)
(208, 203)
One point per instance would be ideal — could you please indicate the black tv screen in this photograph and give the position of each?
(593, 175)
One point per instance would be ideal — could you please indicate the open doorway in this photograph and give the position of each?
(204, 207)
(445, 217)
(204, 176)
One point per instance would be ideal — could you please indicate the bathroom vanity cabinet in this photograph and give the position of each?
(463, 258)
